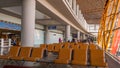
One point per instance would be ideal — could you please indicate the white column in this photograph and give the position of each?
(77, 10)
(28, 23)
(84, 36)
(46, 35)
(79, 14)
(78, 35)
(9, 42)
(67, 35)
(71, 3)
(2, 42)
(74, 5)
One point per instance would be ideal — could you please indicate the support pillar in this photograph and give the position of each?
(77, 10)
(46, 35)
(67, 35)
(74, 6)
(28, 22)
(71, 3)
(83, 36)
(78, 35)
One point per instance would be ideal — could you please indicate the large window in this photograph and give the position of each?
(93, 28)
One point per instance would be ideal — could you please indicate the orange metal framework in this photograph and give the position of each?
(108, 23)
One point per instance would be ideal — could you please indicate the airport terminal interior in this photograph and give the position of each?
(59, 34)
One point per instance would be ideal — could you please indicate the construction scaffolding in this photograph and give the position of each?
(109, 24)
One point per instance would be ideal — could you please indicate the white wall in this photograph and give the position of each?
(54, 37)
(38, 37)
(39, 34)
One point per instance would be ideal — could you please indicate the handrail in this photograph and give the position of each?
(113, 57)
(110, 55)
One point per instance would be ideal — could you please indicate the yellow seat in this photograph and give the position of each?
(92, 46)
(50, 47)
(57, 48)
(79, 57)
(82, 44)
(64, 56)
(14, 50)
(97, 58)
(43, 46)
(71, 44)
(74, 46)
(24, 52)
(36, 55)
(84, 47)
(66, 45)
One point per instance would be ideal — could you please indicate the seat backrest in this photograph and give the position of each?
(65, 53)
(80, 54)
(25, 52)
(91, 47)
(97, 55)
(37, 52)
(66, 46)
(14, 51)
(92, 44)
(57, 47)
(75, 46)
(97, 52)
(50, 47)
(84, 47)
(43, 46)
(82, 44)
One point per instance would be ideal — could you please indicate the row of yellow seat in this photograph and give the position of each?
(96, 55)
(57, 46)
(24, 53)
(80, 56)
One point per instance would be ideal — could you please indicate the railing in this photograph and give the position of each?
(77, 15)
(113, 61)
(115, 58)
(4, 45)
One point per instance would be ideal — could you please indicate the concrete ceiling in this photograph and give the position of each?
(9, 3)
(92, 10)
(15, 10)
(40, 17)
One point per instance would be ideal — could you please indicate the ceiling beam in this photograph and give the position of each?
(10, 13)
(93, 18)
(49, 19)
(10, 3)
(92, 10)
